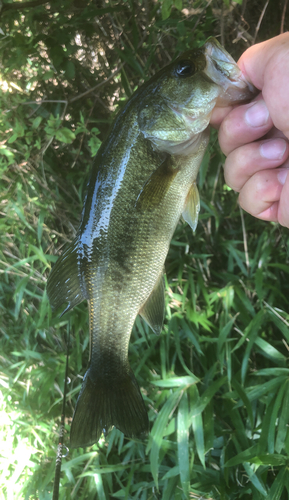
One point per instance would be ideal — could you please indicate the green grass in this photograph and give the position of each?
(215, 382)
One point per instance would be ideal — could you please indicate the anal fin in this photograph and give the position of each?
(192, 207)
(153, 311)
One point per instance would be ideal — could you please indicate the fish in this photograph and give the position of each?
(142, 181)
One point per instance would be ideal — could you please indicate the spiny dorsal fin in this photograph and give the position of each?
(63, 284)
(153, 311)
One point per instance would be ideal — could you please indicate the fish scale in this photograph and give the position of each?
(142, 181)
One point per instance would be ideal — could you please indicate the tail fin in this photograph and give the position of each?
(103, 403)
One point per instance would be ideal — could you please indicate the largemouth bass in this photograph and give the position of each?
(142, 181)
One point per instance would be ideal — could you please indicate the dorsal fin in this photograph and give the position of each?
(63, 284)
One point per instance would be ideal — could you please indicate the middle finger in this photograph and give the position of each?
(246, 160)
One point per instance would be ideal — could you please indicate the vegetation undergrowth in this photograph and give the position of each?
(216, 381)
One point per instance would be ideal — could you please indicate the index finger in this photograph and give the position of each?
(218, 116)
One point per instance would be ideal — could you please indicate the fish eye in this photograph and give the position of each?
(185, 68)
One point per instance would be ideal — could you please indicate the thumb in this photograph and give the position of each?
(266, 65)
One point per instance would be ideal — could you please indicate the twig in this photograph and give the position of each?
(222, 25)
(283, 17)
(82, 135)
(200, 16)
(43, 150)
(42, 101)
(79, 96)
(61, 430)
(276, 314)
(243, 8)
(245, 239)
(216, 183)
(260, 20)
(87, 92)
(22, 5)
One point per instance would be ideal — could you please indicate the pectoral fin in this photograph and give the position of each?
(157, 185)
(153, 310)
(63, 283)
(192, 207)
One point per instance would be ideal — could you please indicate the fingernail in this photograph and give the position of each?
(257, 115)
(282, 174)
(274, 149)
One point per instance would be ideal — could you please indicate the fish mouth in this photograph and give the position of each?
(224, 71)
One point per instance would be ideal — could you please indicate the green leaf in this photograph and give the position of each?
(178, 4)
(253, 329)
(273, 460)
(176, 381)
(99, 483)
(283, 423)
(278, 485)
(270, 351)
(197, 424)
(158, 431)
(259, 390)
(225, 331)
(282, 325)
(189, 333)
(207, 396)
(259, 283)
(36, 122)
(253, 477)
(166, 8)
(183, 443)
(242, 393)
(18, 295)
(255, 480)
(94, 144)
(18, 131)
(209, 427)
(70, 70)
(65, 135)
(243, 456)
(271, 372)
(47, 75)
(125, 83)
(8, 154)
(273, 420)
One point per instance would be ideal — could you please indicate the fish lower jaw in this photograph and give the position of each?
(234, 87)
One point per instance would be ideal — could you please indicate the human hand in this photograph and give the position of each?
(255, 136)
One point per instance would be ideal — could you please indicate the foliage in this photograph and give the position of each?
(216, 380)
